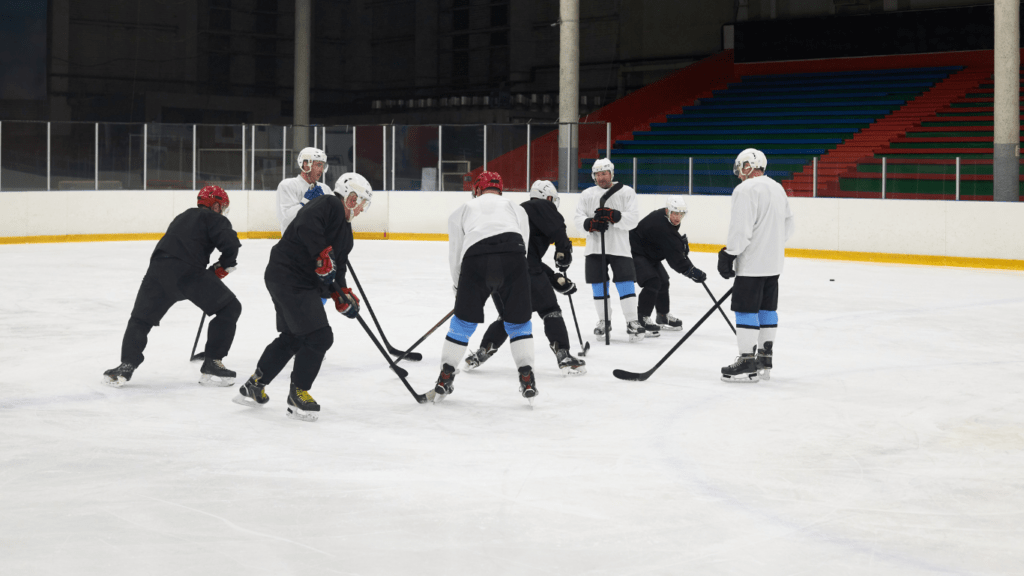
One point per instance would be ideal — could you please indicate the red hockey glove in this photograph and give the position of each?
(221, 271)
(325, 267)
(346, 302)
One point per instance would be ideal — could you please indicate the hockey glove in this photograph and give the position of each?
(595, 225)
(562, 260)
(325, 267)
(696, 274)
(608, 215)
(313, 193)
(221, 271)
(346, 302)
(563, 284)
(725, 261)
(686, 245)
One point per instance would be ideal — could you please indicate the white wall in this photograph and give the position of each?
(917, 227)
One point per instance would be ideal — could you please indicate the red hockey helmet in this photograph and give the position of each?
(487, 180)
(211, 195)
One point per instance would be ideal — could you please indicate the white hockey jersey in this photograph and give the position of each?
(761, 223)
(616, 239)
(291, 195)
(482, 217)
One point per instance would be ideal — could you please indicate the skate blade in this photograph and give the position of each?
(210, 380)
(577, 371)
(245, 401)
(114, 382)
(430, 395)
(438, 398)
(749, 378)
(297, 414)
(666, 328)
(636, 337)
(765, 374)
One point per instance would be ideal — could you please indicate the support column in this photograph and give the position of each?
(568, 91)
(303, 39)
(1006, 141)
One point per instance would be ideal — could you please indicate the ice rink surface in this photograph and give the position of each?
(890, 439)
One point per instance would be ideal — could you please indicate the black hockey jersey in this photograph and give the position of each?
(194, 234)
(318, 224)
(656, 239)
(547, 226)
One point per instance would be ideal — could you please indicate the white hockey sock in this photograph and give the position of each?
(629, 308)
(522, 351)
(452, 352)
(746, 339)
(599, 306)
(766, 335)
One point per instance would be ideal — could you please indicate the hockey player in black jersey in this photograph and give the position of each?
(308, 264)
(178, 271)
(654, 239)
(547, 227)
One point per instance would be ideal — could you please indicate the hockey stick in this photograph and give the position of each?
(624, 375)
(425, 336)
(422, 399)
(192, 357)
(604, 270)
(414, 356)
(724, 315)
(586, 347)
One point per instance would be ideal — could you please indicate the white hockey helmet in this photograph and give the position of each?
(676, 204)
(544, 190)
(312, 155)
(353, 183)
(600, 165)
(752, 157)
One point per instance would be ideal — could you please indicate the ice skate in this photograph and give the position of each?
(302, 406)
(635, 330)
(251, 393)
(213, 373)
(652, 328)
(444, 385)
(764, 361)
(567, 363)
(669, 323)
(475, 359)
(117, 377)
(527, 384)
(744, 369)
(602, 326)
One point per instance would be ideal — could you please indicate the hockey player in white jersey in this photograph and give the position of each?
(759, 227)
(294, 193)
(609, 211)
(487, 239)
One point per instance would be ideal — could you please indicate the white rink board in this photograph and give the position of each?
(916, 227)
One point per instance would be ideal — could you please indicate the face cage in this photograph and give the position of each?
(313, 163)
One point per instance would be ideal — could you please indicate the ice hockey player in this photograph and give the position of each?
(607, 212)
(487, 239)
(654, 239)
(306, 265)
(547, 226)
(294, 193)
(760, 224)
(178, 271)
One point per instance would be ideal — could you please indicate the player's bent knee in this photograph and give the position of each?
(460, 330)
(320, 340)
(230, 311)
(516, 331)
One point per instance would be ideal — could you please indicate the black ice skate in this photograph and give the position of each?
(444, 385)
(744, 369)
(117, 377)
(669, 323)
(764, 361)
(251, 393)
(635, 330)
(301, 405)
(527, 384)
(652, 328)
(601, 327)
(475, 359)
(213, 373)
(567, 363)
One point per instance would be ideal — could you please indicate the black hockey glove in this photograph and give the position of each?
(325, 267)
(609, 215)
(563, 284)
(725, 261)
(346, 302)
(562, 260)
(595, 225)
(686, 246)
(696, 274)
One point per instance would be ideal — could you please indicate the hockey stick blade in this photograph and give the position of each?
(586, 348)
(402, 354)
(405, 354)
(420, 398)
(400, 371)
(626, 375)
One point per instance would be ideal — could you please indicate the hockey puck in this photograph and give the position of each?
(831, 279)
